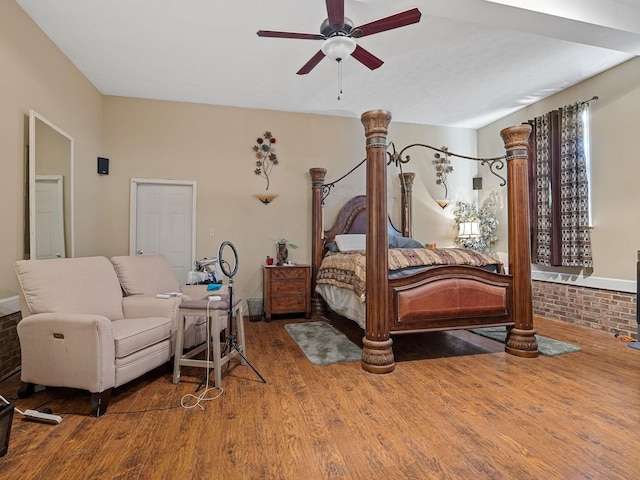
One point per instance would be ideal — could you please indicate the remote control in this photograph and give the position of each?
(168, 295)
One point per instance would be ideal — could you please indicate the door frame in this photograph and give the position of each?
(133, 209)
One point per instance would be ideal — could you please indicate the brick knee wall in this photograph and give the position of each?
(607, 310)
(9, 345)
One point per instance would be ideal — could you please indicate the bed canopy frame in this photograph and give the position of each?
(377, 354)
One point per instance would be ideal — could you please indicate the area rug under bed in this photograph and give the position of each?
(546, 346)
(323, 344)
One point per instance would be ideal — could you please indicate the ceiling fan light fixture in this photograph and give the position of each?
(339, 47)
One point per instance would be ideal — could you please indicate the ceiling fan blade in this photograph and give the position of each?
(315, 60)
(388, 23)
(335, 13)
(303, 36)
(367, 59)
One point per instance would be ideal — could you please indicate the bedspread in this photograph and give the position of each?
(348, 269)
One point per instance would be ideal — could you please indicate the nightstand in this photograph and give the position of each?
(287, 289)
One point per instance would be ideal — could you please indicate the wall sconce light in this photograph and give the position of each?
(265, 197)
(443, 168)
(469, 229)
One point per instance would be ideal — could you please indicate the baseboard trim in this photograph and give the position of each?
(13, 372)
(9, 306)
(580, 280)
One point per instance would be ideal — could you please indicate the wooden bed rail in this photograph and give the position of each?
(521, 340)
(377, 355)
(406, 188)
(317, 235)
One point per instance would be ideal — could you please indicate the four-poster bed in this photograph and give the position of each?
(440, 297)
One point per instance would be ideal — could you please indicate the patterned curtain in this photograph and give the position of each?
(541, 216)
(559, 190)
(576, 230)
(545, 173)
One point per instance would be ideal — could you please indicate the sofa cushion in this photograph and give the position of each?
(133, 334)
(145, 274)
(71, 285)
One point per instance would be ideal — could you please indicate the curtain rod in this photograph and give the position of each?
(592, 99)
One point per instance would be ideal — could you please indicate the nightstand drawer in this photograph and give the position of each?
(288, 287)
(288, 273)
(288, 304)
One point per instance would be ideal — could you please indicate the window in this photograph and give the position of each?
(559, 178)
(586, 138)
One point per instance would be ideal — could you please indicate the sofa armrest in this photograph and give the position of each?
(70, 350)
(140, 306)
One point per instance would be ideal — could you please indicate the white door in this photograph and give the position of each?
(49, 216)
(163, 221)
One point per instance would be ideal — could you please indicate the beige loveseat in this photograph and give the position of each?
(79, 331)
(149, 275)
(144, 276)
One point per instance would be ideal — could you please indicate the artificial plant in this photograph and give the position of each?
(487, 220)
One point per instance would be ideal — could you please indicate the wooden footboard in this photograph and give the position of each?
(445, 298)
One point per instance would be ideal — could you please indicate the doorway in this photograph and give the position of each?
(49, 216)
(162, 221)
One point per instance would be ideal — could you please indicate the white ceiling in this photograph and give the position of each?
(465, 64)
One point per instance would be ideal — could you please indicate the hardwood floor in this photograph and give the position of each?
(456, 407)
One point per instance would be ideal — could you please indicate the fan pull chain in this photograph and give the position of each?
(339, 78)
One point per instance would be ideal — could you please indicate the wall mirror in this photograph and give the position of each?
(50, 190)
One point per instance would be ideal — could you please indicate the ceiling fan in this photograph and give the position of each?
(338, 34)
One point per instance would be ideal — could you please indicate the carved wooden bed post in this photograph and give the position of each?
(406, 187)
(521, 340)
(377, 355)
(317, 236)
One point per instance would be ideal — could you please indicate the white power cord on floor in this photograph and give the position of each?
(35, 415)
(203, 396)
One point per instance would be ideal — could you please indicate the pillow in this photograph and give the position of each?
(404, 242)
(356, 241)
(332, 247)
(352, 242)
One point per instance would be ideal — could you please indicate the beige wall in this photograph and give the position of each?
(615, 169)
(35, 75)
(212, 145)
(208, 144)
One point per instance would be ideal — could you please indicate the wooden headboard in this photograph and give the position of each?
(352, 218)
